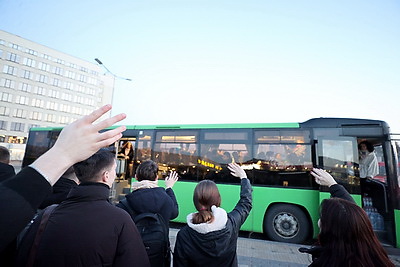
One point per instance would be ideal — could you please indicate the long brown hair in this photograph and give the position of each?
(347, 237)
(205, 195)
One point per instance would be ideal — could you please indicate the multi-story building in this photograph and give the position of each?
(43, 87)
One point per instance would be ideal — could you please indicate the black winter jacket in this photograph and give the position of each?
(19, 199)
(6, 171)
(215, 248)
(87, 230)
(61, 190)
(154, 200)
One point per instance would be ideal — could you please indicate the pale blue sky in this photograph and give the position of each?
(230, 61)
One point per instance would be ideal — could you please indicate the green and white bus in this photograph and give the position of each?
(277, 157)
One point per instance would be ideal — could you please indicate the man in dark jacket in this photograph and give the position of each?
(61, 188)
(86, 229)
(21, 196)
(6, 170)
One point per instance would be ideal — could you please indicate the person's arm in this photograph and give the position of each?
(324, 178)
(244, 205)
(22, 195)
(170, 181)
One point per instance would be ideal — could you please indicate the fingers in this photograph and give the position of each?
(173, 176)
(109, 122)
(96, 114)
(111, 133)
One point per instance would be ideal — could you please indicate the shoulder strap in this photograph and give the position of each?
(38, 236)
(128, 208)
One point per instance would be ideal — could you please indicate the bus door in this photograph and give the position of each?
(339, 156)
(125, 148)
(125, 153)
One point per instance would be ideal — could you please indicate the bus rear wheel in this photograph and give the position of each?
(286, 223)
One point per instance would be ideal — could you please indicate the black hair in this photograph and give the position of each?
(369, 146)
(4, 155)
(147, 170)
(91, 169)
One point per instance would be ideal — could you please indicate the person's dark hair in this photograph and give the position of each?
(147, 170)
(347, 237)
(4, 155)
(91, 169)
(206, 194)
(369, 146)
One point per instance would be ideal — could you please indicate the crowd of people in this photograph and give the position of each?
(78, 226)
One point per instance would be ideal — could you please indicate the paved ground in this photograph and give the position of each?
(256, 252)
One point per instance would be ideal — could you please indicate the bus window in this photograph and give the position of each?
(177, 151)
(144, 146)
(221, 147)
(284, 164)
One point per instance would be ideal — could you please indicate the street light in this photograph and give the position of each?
(114, 77)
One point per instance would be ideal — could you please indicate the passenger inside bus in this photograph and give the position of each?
(368, 161)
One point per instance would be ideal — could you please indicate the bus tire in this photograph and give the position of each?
(286, 223)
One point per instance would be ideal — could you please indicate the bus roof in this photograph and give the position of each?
(315, 122)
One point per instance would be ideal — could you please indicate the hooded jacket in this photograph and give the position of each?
(154, 200)
(214, 244)
(86, 230)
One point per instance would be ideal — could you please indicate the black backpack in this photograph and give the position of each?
(155, 235)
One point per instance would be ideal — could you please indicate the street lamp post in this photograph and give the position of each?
(114, 77)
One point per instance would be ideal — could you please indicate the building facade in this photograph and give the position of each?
(43, 87)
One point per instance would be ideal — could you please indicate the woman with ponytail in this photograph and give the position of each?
(210, 236)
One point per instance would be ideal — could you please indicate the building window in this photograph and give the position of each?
(4, 111)
(5, 97)
(54, 93)
(32, 52)
(58, 70)
(24, 87)
(39, 90)
(66, 97)
(45, 56)
(52, 105)
(50, 117)
(2, 42)
(22, 100)
(3, 125)
(60, 61)
(20, 113)
(13, 57)
(56, 82)
(10, 70)
(38, 103)
(27, 74)
(36, 116)
(70, 74)
(44, 66)
(42, 78)
(15, 46)
(69, 85)
(7, 83)
(29, 62)
(82, 78)
(17, 126)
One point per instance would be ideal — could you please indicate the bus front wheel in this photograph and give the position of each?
(286, 223)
